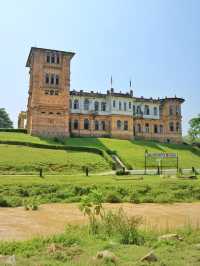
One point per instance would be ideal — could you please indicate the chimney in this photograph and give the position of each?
(131, 92)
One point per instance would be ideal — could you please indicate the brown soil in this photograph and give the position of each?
(16, 223)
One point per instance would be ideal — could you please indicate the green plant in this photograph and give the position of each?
(113, 197)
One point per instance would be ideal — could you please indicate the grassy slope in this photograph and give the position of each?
(19, 159)
(131, 152)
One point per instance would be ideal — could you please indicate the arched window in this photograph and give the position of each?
(96, 125)
(57, 80)
(161, 129)
(155, 111)
(146, 110)
(177, 127)
(103, 125)
(125, 125)
(76, 104)
(52, 58)
(96, 106)
(171, 126)
(58, 59)
(86, 104)
(138, 128)
(103, 106)
(119, 124)
(146, 128)
(155, 129)
(120, 106)
(86, 124)
(47, 78)
(75, 124)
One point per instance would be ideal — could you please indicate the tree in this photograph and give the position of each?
(5, 121)
(194, 131)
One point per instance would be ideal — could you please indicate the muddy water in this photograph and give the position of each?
(16, 223)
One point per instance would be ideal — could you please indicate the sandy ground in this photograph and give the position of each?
(16, 223)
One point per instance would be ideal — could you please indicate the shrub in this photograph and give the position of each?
(122, 172)
(134, 198)
(17, 130)
(3, 202)
(113, 197)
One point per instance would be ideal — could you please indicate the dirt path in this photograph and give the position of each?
(16, 223)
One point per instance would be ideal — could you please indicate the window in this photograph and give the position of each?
(133, 109)
(171, 110)
(57, 80)
(47, 78)
(58, 59)
(76, 104)
(146, 110)
(155, 129)
(125, 125)
(70, 103)
(86, 104)
(155, 111)
(103, 106)
(119, 124)
(51, 92)
(86, 124)
(129, 104)
(50, 113)
(96, 106)
(96, 125)
(75, 124)
(48, 58)
(114, 104)
(146, 128)
(103, 125)
(124, 106)
(52, 58)
(52, 79)
(171, 126)
(120, 106)
(178, 110)
(139, 111)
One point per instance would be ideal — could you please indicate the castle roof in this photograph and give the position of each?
(71, 54)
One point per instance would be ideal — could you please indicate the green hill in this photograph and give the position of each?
(131, 152)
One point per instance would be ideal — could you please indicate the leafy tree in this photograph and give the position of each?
(5, 121)
(194, 131)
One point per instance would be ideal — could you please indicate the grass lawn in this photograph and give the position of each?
(15, 189)
(131, 152)
(21, 159)
(76, 247)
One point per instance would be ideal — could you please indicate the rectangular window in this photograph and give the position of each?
(48, 58)
(58, 59)
(114, 103)
(57, 80)
(129, 104)
(124, 106)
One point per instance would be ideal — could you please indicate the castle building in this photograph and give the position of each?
(54, 110)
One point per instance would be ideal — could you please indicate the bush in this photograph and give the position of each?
(113, 197)
(17, 130)
(3, 202)
(134, 198)
(122, 172)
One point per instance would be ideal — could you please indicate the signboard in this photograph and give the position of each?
(160, 155)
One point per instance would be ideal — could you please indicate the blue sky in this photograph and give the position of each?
(155, 42)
